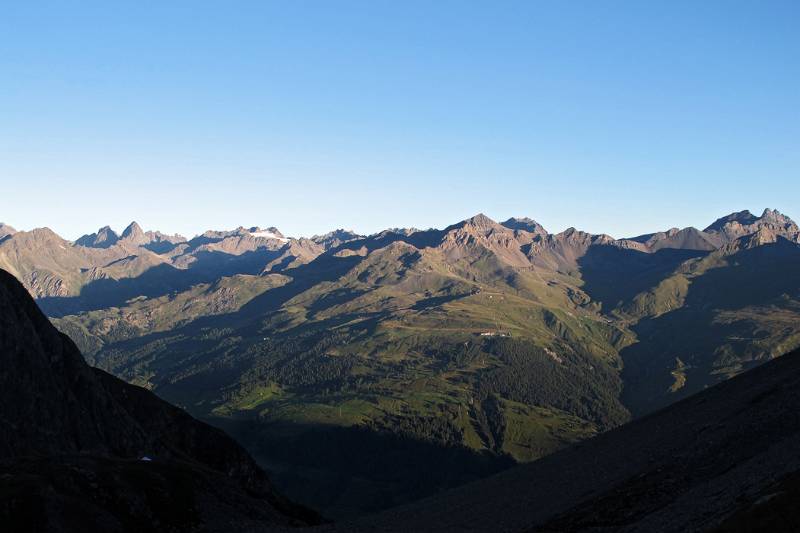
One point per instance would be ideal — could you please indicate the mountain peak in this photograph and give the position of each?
(742, 217)
(104, 238)
(45, 233)
(134, 234)
(336, 237)
(340, 232)
(133, 230)
(744, 223)
(479, 221)
(776, 217)
(524, 224)
(269, 233)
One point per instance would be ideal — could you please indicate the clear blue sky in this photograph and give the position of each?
(611, 116)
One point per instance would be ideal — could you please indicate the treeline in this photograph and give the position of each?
(302, 362)
(581, 384)
(440, 429)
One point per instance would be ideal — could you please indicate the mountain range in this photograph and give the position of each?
(368, 371)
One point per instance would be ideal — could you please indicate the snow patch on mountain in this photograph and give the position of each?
(265, 234)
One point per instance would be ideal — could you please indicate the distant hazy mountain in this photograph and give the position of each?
(135, 263)
(83, 451)
(481, 342)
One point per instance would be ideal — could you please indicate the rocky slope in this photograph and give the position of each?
(81, 450)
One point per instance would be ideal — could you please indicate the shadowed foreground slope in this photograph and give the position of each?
(81, 450)
(726, 459)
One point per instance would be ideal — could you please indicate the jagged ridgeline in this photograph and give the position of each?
(368, 370)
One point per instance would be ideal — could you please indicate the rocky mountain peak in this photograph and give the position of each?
(134, 234)
(744, 223)
(159, 236)
(133, 230)
(337, 233)
(480, 224)
(104, 238)
(775, 217)
(480, 221)
(524, 224)
(741, 217)
(43, 235)
(336, 237)
(269, 233)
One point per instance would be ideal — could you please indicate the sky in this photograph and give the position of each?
(610, 116)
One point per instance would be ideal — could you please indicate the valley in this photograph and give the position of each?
(365, 372)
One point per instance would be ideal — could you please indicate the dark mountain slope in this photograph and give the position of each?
(734, 309)
(72, 439)
(698, 465)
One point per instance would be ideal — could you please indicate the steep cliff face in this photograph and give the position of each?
(82, 450)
